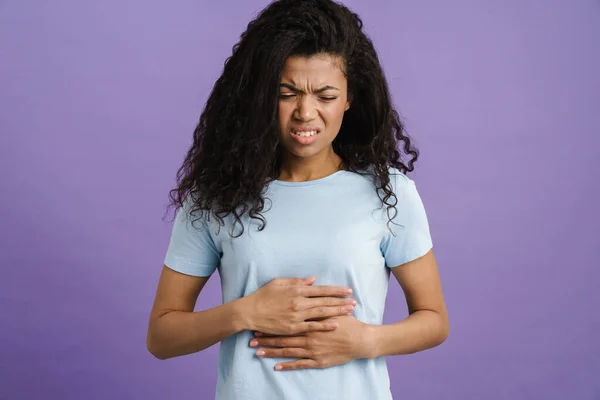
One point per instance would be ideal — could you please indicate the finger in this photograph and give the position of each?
(300, 364)
(326, 312)
(262, 334)
(313, 326)
(324, 291)
(310, 280)
(300, 342)
(305, 303)
(288, 352)
(289, 281)
(327, 301)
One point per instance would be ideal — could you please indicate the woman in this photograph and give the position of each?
(295, 191)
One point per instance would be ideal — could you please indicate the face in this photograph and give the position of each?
(313, 97)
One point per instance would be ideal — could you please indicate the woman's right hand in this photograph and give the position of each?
(292, 306)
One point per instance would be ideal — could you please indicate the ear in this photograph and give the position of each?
(347, 105)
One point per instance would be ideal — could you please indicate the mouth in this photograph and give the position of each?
(305, 132)
(305, 136)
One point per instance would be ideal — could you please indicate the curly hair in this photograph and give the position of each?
(236, 153)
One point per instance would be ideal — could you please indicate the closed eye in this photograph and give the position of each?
(287, 95)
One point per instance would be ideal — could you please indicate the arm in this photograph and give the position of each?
(284, 306)
(427, 324)
(175, 330)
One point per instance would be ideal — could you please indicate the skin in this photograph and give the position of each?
(291, 317)
(314, 93)
(282, 306)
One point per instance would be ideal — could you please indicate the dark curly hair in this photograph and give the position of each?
(236, 153)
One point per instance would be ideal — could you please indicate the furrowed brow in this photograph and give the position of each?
(296, 90)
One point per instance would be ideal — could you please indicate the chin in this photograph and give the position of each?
(304, 153)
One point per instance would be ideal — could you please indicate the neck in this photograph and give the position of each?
(301, 169)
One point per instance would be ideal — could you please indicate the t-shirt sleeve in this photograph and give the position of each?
(410, 237)
(191, 250)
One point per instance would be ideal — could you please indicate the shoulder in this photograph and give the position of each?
(400, 182)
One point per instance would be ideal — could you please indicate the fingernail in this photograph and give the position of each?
(278, 367)
(257, 333)
(254, 343)
(348, 291)
(334, 325)
(260, 353)
(349, 308)
(353, 302)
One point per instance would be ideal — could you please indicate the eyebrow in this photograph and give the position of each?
(295, 89)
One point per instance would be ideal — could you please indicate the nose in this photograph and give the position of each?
(305, 109)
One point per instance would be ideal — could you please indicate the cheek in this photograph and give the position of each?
(284, 113)
(334, 114)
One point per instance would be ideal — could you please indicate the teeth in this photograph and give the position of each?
(305, 134)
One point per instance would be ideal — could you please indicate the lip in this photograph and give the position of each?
(305, 141)
(306, 129)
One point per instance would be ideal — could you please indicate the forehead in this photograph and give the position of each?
(314, 70)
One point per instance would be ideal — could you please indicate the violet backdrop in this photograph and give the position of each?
(98, 101)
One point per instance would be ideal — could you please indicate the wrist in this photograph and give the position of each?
(372, 340)
(242, 314)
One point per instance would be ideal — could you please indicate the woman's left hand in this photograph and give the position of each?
(351, 340)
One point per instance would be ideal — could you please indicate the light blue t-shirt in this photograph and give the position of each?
(334, 228)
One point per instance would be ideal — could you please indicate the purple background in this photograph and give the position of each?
(98, 101)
